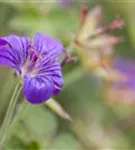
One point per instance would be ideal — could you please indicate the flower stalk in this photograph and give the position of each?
(9, 114)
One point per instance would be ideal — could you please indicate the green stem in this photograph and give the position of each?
(9, 115)
(22, 107)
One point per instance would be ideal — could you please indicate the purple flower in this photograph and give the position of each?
(36, 63)
(127, 69)
(122, 89)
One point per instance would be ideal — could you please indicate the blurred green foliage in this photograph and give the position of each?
(96, 124)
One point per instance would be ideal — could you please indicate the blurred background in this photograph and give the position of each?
(101, 120)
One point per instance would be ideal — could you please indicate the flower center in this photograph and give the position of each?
(32, 57)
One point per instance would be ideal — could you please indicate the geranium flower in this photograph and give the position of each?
(121, 90)
(36, 63)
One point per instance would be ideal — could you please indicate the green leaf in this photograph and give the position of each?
(39, 121)
(36, 123)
